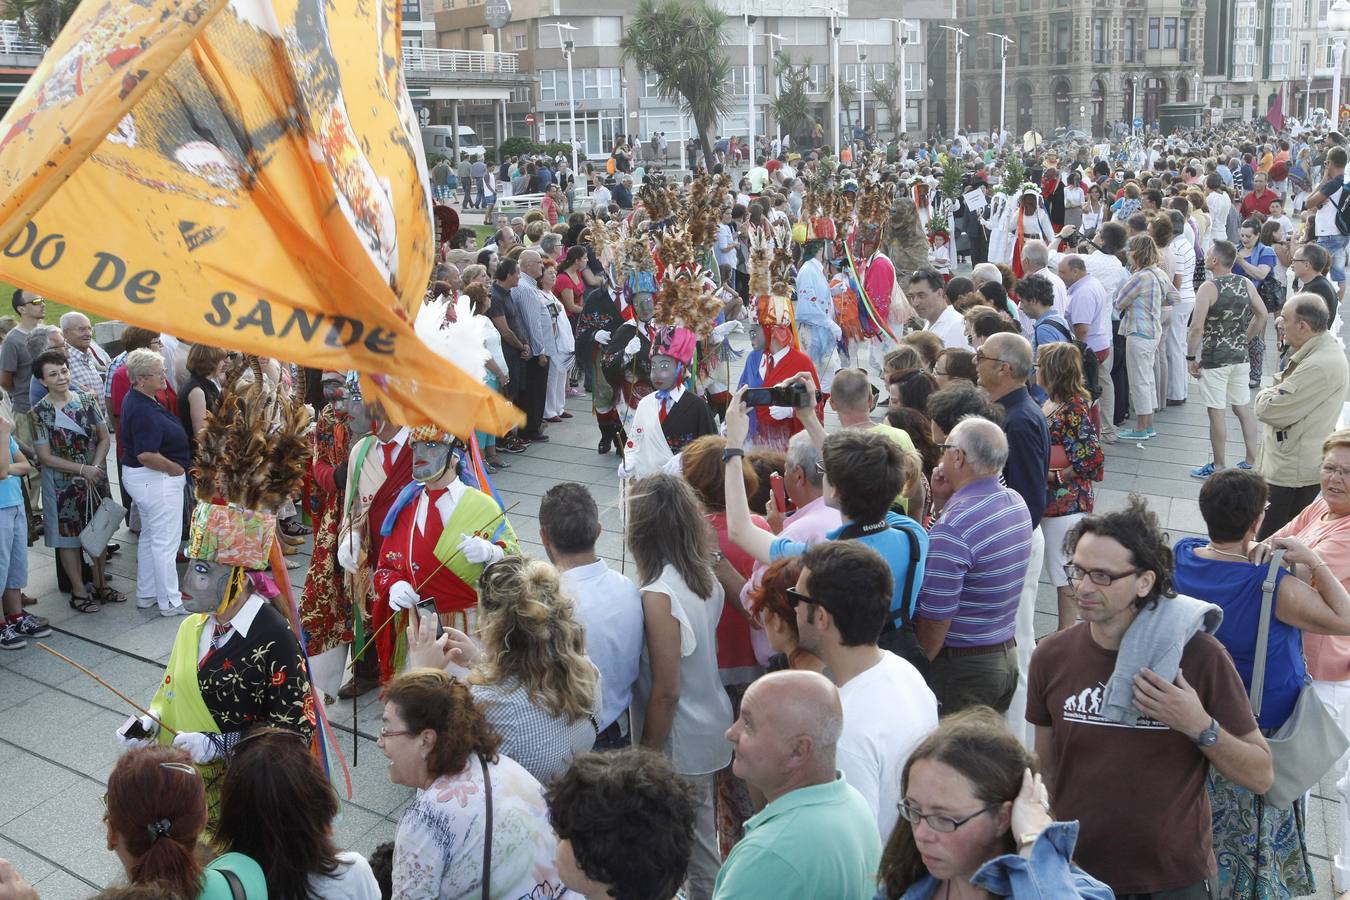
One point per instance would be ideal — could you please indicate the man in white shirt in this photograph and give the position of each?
(1036, 261)
(1219, 204)
(842, 600)
(928, 299)
(758, 176)
(607, 603)
(600, 197)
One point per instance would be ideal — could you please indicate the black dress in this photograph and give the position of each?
(212, 393)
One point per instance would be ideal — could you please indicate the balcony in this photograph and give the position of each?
(14, 43)
(458, 62)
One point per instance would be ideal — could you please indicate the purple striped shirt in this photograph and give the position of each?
(977, 562)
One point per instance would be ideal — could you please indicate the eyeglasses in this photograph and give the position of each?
(950, 447)
(994, 359)
(1096, 576)
(386, 733)
(940, 823)
(796, 598)
(820, 466)
(1335, 471)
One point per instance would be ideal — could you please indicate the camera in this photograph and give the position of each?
(794, 395)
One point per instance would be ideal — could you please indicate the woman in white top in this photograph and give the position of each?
(496, 375)
(679, 705)
(438, 742)
(560, 366)
(531, 677)
(278, 808)
(1092, 210)
(1074, 199)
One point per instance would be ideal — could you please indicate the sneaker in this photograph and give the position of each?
(179, 610)
(1132, 435)
(1110, 437)
(1245, 466)
(10, 639)
(511, 447)
(146, 602)
(1204, 471)
(1152, 432)
(31, 627)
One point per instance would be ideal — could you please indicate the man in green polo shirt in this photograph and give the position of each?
(817, 836)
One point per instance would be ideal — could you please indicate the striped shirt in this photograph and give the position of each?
(1141, 301)
(978, 553)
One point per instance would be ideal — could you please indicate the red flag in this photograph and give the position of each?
(1276, 115)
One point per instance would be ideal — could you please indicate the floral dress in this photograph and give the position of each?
(70, 433)
(1072, 431)
(326, 604)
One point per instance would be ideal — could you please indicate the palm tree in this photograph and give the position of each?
(39, 20)
(792, 106)
(680, 41)
(887, 92)
(848, 95)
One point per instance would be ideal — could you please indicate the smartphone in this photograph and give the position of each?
(780, 500)
(133, 730)
(428, 617)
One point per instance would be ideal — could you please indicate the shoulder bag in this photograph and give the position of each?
(105, 517)
(487, 834)
(1310, 741)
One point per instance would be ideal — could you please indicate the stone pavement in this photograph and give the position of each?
(56, 725)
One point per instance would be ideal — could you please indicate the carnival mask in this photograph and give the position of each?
(206, 585)
(360, 416)
(665, 372)
(644, 307)
(757, 337)
(431, 460)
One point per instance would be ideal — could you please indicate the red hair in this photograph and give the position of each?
(771, 598)
(157, 806)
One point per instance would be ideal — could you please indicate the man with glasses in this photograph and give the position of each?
(841, 599)
(16, 374)
(1137, 786)
(1299, 409)
(1310, 265)
(815, 837)
(977, 561)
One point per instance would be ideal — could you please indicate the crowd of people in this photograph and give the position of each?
(824, 678)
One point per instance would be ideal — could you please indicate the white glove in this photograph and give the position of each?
(631, 350)
(836, 330)
(602, 337)
(147, 722)
(479, 550)
(781, 412)
(347, 547)
(402, 596)
(199, 746)
(719, 334)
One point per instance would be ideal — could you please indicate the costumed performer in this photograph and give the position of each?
(670, 417)
(817, 327)
(326, 601)
(379, 467)
(626, 364)
(884, 295)
(601, 315)
(775, 425)
(1025, 220)
(442, 530)
(236, 664)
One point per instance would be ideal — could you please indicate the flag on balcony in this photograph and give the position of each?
(244, 174)
(1276, 114)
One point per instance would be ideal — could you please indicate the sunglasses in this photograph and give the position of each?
(796, 598)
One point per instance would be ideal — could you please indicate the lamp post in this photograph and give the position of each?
(860, 59)
(1133, 81)
(1338, 20)
(567, 47)
(1004, 43)
(834, 64)
(750, 85)
(773, 56)
(900, 25)
(959, 33)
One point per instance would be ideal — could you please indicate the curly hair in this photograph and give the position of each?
(531, 631)
(977, 744)
(770, 599)
(1136, 528)
(609, 804)
(430, 700)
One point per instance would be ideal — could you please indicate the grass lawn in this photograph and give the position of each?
(55, 309)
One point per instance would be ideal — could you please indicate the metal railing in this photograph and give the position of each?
(12, 40)
(427, 59)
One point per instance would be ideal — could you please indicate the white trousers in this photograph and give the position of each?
(1335, 696)
(160, 499)
(1107, 402)
(1174, 342)
(555, 393)
(706, 858)
(1026, 641)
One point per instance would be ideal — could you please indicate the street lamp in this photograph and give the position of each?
(773, 55)
(834, 63)
(567, 47)
(900, 25)
(1004, 43)
(861, 59)
(1338, 20)
(1133, 82)
(750, 84)
(958, 33)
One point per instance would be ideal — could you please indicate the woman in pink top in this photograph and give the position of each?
(1325, 527)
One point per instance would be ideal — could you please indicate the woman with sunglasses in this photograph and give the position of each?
(975, 821)
(155, 815)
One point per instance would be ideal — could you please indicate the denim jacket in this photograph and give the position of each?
(1047, 875)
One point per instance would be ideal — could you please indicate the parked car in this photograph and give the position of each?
(438, 140)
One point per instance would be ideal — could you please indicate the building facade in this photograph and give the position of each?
(614, 98)
(1087, 65)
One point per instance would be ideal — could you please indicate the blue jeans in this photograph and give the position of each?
(14, 547)
(1335, 244)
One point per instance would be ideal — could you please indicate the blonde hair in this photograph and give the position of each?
(1339, 438)
(532, 634)
(1142, 251)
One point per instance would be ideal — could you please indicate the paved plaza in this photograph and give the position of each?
(56, 724)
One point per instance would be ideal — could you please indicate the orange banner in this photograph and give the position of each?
(244, 174)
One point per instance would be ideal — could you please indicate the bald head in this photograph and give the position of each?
(787, 731)
(1012, 349)
(531, 263)
(804, 703)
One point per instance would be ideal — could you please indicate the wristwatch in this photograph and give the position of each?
(731, 453)
(1210, 736)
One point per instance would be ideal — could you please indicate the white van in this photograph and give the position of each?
(438, 140)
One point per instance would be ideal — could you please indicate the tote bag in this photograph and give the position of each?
(105, 516)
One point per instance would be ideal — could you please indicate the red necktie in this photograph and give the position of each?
(663, 410)
(389, 449)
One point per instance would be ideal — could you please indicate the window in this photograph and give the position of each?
(997, 7)
(649, 84)
(804, 32)
(914, 76)
(520, 94)
(1063, 40)
(591, 31)
(412, 40)
(1129, 41)
(1023, 5)
(1099, 40)
(910, 33)
(1153, 26)
(587, 84)
(412, 9)
(521, 42)
(738, 80)
(1185, 39)
(1023, 44)
(872, 31)
(1304, 58)
(1170, 33)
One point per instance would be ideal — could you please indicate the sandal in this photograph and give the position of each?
(84, 604)
(107, 594)
(293, 528)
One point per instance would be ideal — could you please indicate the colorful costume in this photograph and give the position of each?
(601, 311)
(775, 425)
(666, 421)
(326, 604)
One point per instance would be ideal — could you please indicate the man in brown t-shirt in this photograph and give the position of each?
(1138, 790)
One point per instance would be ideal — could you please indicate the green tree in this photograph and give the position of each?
(792, 106)
(887, 92)
(848, 95)
(680, 42)
(39, 20)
